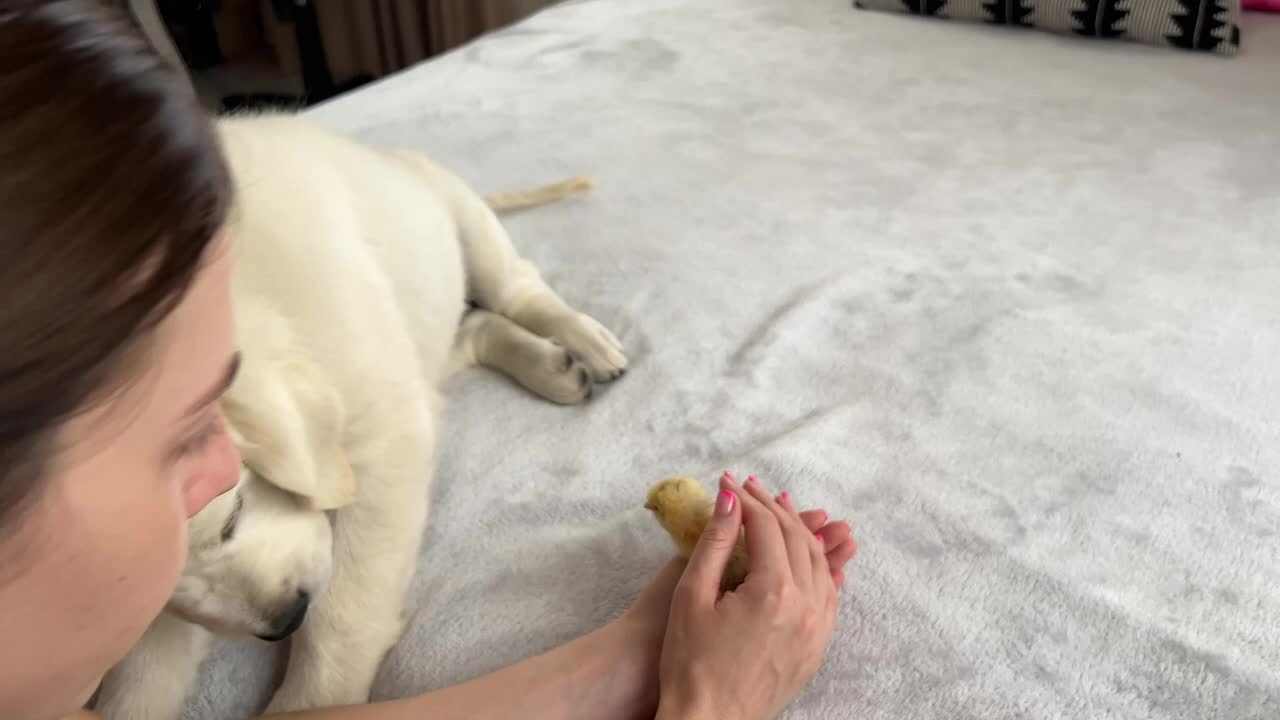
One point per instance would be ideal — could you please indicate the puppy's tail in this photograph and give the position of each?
(521, 199)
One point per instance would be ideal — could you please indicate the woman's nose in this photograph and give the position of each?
(219, 473)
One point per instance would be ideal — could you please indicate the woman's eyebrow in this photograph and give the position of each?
(212, 395)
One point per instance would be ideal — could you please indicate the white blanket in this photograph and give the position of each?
(1006, 300)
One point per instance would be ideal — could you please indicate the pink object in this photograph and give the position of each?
(1263, 5)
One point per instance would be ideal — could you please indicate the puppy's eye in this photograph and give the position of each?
(229, 527)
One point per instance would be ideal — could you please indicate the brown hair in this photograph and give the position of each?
(112, 186)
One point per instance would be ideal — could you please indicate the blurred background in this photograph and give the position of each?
(249, 53)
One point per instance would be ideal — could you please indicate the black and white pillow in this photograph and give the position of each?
(1204, 25)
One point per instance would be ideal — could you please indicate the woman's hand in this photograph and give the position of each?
(653, 607)
(744, 655)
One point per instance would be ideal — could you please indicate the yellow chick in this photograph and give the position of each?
(682, 507)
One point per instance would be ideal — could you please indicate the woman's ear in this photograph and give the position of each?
(288, 420)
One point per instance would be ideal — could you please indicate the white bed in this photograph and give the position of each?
(1006, 300)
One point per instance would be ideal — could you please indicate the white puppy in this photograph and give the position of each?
(353, 271)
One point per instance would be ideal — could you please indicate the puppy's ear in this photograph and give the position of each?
(289, 424)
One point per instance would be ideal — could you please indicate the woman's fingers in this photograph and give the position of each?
(814, 519)
(839, 556)
(810, 540)
(834, 535)
(766, 546)
(836, 548)
(701, 579)
(797, 539)
(820, 568)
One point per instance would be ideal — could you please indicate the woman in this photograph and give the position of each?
(116, 342)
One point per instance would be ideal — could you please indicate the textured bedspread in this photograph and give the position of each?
(1006, 300)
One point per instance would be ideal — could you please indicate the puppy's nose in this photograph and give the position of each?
(287, 622)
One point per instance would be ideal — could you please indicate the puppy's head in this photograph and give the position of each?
(258, 555)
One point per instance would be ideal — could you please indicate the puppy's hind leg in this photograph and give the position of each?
(498, 279)
(541, 366)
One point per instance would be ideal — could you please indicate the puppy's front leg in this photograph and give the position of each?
(336, 653)
(152, 681)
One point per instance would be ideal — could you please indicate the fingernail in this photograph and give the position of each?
(751, 478)
(730, 476)
(724, 503)
(784, 497)
(821, 540)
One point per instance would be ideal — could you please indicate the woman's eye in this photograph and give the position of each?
(201, 439)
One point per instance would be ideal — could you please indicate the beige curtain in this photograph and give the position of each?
(378, 37)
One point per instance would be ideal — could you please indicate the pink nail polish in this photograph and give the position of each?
(724, 503)
(821, 540)
(751, 479)
(784, 497)
(730, 476)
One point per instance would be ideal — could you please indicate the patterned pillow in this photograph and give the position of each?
(1205, 25)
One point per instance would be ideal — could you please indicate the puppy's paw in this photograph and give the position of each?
(557, 375)
(592, 343)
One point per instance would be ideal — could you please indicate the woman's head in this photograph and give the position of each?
(115, 341)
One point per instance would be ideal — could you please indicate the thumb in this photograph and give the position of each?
(709, 558)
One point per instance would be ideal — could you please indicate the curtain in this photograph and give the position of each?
(147, 15)
(378, 37)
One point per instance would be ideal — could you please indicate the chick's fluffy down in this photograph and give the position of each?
(683, 507)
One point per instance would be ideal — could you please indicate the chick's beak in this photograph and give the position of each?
(650, 506)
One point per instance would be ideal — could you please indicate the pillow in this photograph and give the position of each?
(1202, 25)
